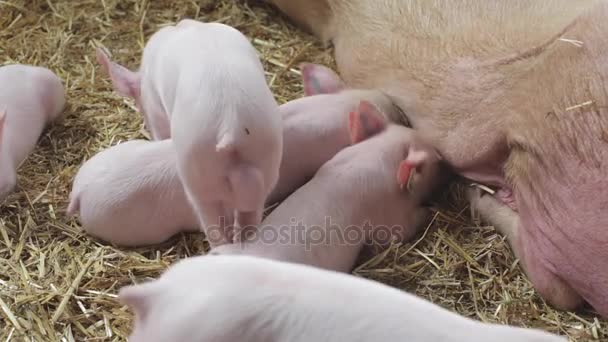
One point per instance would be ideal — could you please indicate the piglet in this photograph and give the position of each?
(30, 98)
(361, 196)
(130, 195)
(224, 121)
(315, 127)
(233, 298)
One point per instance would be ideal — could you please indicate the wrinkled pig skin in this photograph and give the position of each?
(30, 98)
(130, 195)
(357, 198)
(208, 80)
(232, 298)
(508, 103)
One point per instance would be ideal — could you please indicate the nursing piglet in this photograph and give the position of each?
(510, 104)
(130, 194)
(315, 127)
(370, 192)
(242, 298)
(116, 190)
(225, 124)
(30, 98)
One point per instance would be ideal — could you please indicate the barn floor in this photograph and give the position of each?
(57, 284)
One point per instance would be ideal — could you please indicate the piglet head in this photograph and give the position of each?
(365, 122)
(125, 82)
(319, 79)
(8, 176)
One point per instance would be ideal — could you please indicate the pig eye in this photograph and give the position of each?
(247, 131)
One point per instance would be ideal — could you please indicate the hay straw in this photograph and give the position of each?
(587, 103)
(574, 42)
(57, 284)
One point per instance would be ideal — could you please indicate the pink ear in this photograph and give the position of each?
(415, 158)
(319, 79)
(138, 297)
(124, 81)
(404, 172)
(366, 122)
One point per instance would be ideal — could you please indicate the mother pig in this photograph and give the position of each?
(514, 96)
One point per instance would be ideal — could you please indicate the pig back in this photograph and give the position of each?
(34, 97)
(328, 220)
(130, 194)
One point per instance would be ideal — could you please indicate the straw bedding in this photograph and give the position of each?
(57, 284)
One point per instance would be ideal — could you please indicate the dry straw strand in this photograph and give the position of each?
(58, 284)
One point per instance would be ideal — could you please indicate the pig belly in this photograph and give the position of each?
(581, 262)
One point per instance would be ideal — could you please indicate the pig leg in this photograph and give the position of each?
(502, 217)
(215, 223)
(246, 222)
(552, 288)
(247, 183)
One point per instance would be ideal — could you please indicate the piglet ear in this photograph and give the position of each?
(366, 122)
(415, 159)
(124, 81)
(319, 79)
(139, 297)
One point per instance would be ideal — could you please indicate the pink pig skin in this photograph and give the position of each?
(510, 104)
(242, 298)
(362, 183)
(317, 123)
(315, 126)
(145, 85)
(130, 195)
(207, 79)
(30, 98)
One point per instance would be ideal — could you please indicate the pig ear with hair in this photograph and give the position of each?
(124, 81)
(365, 122)
(416, 157)
(139, 297)
(319, 79)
